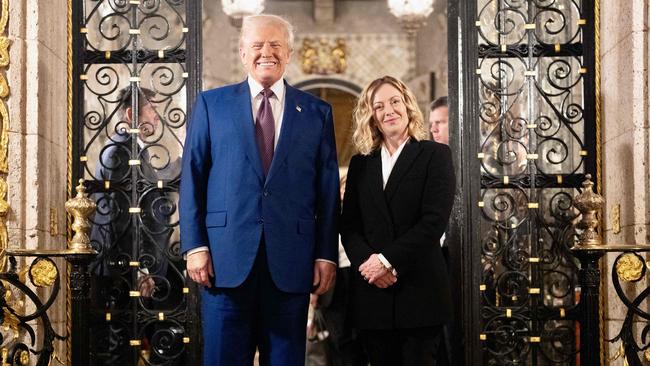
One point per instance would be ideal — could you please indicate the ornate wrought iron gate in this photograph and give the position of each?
(522, 91)
(135, 72)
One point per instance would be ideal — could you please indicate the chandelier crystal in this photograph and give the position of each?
(411, 14)
(237, 9)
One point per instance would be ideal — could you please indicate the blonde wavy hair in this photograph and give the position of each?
(366, 136)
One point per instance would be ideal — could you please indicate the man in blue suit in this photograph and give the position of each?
(259, 204)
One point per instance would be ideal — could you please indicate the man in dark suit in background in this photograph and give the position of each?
(439, 120)
(439, 128)
(112, 232)
(259, 202)
(115, 234)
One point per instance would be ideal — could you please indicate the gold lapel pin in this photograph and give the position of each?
(298, 108)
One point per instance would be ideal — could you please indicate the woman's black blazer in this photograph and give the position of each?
(404, 222)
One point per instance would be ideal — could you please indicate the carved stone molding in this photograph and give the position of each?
(4, 130)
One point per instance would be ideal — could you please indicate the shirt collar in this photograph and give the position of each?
(256, 88)
(384, 149)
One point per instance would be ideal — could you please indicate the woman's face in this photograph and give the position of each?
(389, 112)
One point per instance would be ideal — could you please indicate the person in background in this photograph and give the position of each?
(399, 194)
(439, 128)
(116, 238)
(259, 202)
(439, 120)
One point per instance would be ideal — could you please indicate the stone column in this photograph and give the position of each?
(624, 45)
(37, 135)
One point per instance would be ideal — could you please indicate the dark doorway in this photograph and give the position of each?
(342, 103)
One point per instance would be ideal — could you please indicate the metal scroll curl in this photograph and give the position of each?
(19, 325)
(630, 267)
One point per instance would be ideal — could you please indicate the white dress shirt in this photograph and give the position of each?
(387, 163)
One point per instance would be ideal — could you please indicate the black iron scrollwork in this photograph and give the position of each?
(135, 96)
(17, 297)
(635, 330)
(532, 141)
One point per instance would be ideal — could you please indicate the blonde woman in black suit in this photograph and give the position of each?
(399, 195)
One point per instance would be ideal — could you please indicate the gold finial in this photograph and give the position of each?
(589, 203)
(80, 207)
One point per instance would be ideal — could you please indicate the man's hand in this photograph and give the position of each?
(146, 286)
(324, 274)
(199, 268)
(372, 269)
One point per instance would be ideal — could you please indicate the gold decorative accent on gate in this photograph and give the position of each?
(43, 272)
(24, 358)
(589, 203)
(322, 57)
(80, 207)
(630, 267)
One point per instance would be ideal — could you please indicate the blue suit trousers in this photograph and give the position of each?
(255, 314)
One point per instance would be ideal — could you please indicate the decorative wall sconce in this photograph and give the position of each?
(237, 9)
(411, 14)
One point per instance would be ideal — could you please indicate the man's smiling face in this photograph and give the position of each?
(265, 53)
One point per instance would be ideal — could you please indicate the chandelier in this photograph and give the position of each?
(237, 9)
(411, 14)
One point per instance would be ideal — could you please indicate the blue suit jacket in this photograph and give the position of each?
(227, 203)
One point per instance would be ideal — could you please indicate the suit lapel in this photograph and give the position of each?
(376, 184)
(243, 115)
(402, 165)
(290, 115)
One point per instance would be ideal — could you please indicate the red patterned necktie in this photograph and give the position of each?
(265, 130)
